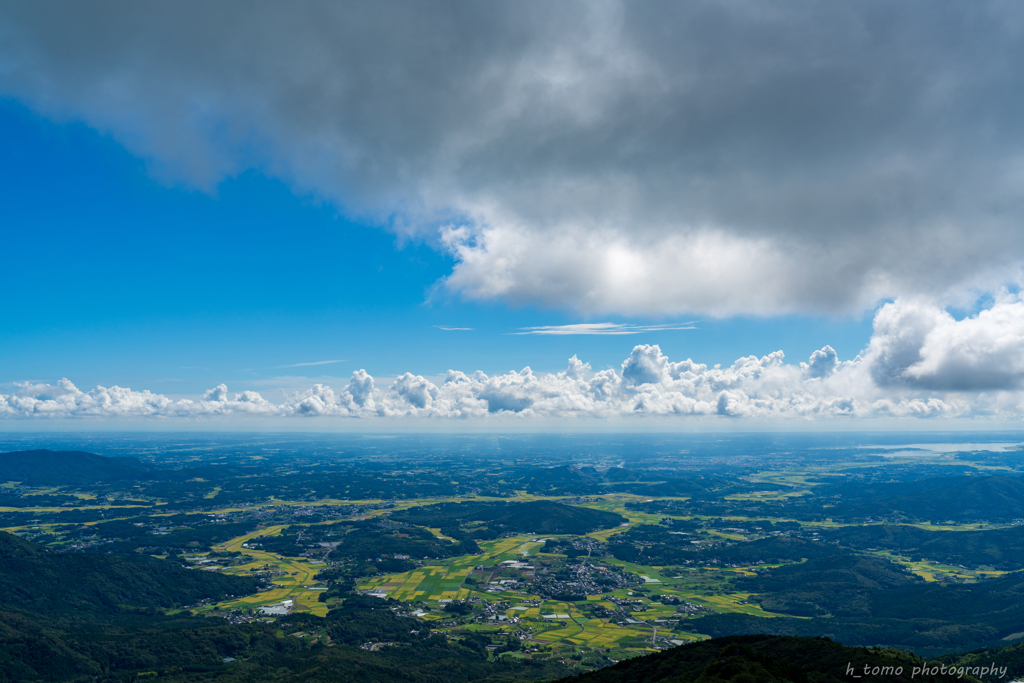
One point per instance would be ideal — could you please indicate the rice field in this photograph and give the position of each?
(298, 573)
(552, 622)
(937, 571)
(425, 583)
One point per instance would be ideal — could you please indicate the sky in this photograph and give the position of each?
(391, 215)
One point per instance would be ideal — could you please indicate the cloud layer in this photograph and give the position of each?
(635, 158)
(921, 362)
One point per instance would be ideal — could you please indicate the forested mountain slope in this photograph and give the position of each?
(44, 467)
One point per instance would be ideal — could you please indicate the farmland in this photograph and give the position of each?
(293, 578)
(588, 560)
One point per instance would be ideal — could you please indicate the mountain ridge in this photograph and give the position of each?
(46, 467)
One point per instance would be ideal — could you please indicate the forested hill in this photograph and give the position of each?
(37, 580)
(864, 600)
(54, 468)
(1002, 549)
(76, 618)
(541, 516)
(959, 499)
(766, 659)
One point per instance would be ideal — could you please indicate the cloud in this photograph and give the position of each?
(361, 389)
(822, 363)
(645, 365)
(454, 329)
(921, 362)
(919, 345)
(219, 394)
(318, 362)
(509, 393)
(414, 390)
(608, 157)
(65, 400)
(603, 328)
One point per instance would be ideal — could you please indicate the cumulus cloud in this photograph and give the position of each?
(645, 365)
(511, 393)
(361, 389)
(65, 399)
(414, 390)
(219, 394)
(657, 157)
(921, 362)
(920, 345)
(822, 363)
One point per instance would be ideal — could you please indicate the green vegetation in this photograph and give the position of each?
(369, 542)
(1000, 549)
(173, 534)
(863, 600)
(658, 545)
(768, 659)
(393, 566)
(541, 517)
(50, 468)
(842, 585)
(1011, 658)
(38, 580)
(103, 618)
(958, 499)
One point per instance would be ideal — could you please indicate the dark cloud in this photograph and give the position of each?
(645, 157)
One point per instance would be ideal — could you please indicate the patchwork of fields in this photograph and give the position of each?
(298, 576)
(433, 585)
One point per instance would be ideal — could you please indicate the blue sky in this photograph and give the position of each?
(217, 213)
(144, 283)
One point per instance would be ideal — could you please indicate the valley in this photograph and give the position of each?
(579, 565)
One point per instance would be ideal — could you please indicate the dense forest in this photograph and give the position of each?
(107, 618)
(865, 600)
(541, 517)
(770, 659)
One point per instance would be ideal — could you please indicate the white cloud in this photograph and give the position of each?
(822, 363)
(65, 399)
(219, 394)
(304, 365)
(453, 329)
(921, 362)
(918, 344)
(414, 390)
(361, 389)
(603, 329)
(609, 157)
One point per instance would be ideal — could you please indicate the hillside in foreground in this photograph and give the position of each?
(35, 579)
(767, 659)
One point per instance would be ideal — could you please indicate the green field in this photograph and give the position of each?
(435, 584)
(299, 573)
(444, 580)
